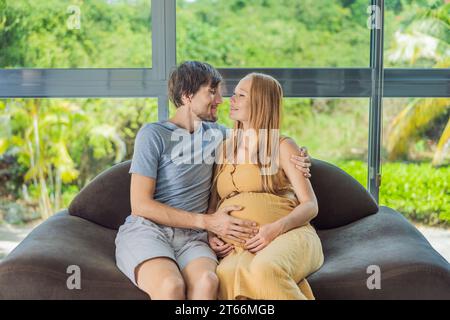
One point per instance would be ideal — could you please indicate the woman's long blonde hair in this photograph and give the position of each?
(266, 97)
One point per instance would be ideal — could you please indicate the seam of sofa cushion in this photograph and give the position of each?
(60, 276)
(388, 275)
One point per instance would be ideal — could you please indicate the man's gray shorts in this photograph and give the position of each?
(140, 239)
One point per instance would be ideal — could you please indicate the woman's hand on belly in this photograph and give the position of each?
(221, 248)
(267, 233)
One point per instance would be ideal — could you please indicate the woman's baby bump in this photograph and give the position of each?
(263, 208)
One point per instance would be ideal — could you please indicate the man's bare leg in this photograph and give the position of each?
(161, 279)
(201, 279)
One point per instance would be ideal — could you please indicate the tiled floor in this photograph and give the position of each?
(10, 236)
(438, 238)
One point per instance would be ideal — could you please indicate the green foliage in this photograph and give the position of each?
(419, 191)
(331, 128)
(36, 34)
(269, 33)
(50, 148)
(60, 145)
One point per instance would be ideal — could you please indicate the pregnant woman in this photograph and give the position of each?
(254, 171)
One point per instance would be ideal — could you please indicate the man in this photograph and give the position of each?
(163, 245)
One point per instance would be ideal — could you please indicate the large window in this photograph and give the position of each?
(415, 158)
(274, 33)
(333, 130)
(417, 34)
(51, 148)
(326, 54)
(75, 34)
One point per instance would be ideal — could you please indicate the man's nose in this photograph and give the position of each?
(218, 99)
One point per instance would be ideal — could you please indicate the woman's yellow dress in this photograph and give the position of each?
(279, 270)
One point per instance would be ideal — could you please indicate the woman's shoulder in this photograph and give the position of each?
(288, 148)
(287, 144)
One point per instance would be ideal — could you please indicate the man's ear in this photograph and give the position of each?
(186, 99)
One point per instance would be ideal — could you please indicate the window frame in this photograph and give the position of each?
(374, 82)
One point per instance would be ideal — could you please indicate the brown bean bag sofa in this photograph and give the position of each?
(355, 234)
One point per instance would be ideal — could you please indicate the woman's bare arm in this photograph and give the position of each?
(308, 208)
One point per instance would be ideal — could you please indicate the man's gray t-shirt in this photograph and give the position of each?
(181, 163)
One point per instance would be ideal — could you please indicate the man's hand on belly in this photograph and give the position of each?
(226, 226)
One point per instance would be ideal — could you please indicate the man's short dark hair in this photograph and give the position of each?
(188, 77)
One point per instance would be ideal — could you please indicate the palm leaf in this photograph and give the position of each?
(443, 146)
(406, 126)
(111, 134)
(426, 35)
(64, 162)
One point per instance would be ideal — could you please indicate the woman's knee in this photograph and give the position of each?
(262, 269)
(224, 271)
